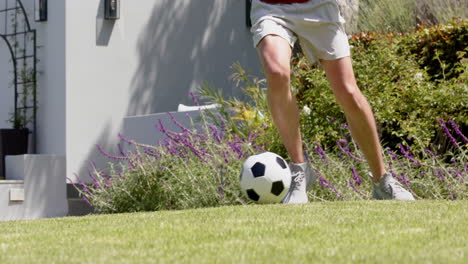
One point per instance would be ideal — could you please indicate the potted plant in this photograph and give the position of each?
(14, 141)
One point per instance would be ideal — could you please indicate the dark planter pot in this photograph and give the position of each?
(12, 142)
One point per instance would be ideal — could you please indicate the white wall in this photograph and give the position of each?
(146, 62)
(51, 80)
(94, 73)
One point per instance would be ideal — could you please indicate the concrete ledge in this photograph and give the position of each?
(43, 180)
(5, 182)
(142, 128)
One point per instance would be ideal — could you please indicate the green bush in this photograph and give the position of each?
(405, 101)
(439, 49)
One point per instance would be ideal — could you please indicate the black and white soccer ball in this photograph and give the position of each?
(265, 178)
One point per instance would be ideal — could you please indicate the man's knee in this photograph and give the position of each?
(277, 72)
(350, 97)
(275, 53)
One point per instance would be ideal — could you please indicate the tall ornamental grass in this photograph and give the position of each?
(404, 15)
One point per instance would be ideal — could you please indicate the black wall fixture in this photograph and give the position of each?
(112, 9)
(40, 10)
(248, 6)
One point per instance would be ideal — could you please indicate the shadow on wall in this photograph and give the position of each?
(104, 28)
(185, 44)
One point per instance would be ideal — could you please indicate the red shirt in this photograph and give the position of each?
(284, 1)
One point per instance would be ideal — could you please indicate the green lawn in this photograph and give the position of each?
(337, 232)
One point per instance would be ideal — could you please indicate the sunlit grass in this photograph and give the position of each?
(319, 232)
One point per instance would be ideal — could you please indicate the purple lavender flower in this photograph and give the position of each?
(351, 183)
(101, 150)
(194, 98)
(236, 149)
(430, 152)
(393, 155)
(177, 123)
(439, 174)
(356, 176)
(447, 132)
(124, 139)
(216, 133)
(457, 130)
(407, 154)
(325, 184)
(343, 146)
(321, 153)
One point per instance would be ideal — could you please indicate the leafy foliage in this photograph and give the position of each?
(440, 49)
(405, 99)
(417, 116)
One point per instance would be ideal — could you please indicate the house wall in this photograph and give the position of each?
(51, 35)
(51, 77)
(145, 62)
(93, 73)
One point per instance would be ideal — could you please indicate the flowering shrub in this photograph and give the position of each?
(200, 168)
(344, 174)
(191, 168)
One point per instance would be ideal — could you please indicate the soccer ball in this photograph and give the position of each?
(265, 178)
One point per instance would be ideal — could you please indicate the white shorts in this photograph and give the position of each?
(317, 25)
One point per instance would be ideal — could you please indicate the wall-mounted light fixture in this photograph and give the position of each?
(40, 10)
(248, 6)
(112, 9)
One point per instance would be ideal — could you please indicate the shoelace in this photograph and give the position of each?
(298, 176)
(395, 186)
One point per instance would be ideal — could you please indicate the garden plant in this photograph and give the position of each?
(421, 116)
(416, 81)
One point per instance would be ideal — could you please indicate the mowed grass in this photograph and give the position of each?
(319, 232)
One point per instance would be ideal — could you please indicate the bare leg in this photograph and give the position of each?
(275, 55)
(358, 112)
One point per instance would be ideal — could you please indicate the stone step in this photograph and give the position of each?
(78, 207)
(72, 192)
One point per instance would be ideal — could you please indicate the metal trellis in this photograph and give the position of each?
(22, 46)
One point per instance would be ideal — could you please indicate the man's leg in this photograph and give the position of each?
(275, 55)
(357, 111)
(362, 124)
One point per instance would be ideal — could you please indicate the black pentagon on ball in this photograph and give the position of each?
(277, 188)
(252, 195)
(281, 162)
(258, 169)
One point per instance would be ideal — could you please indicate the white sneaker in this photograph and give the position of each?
(390, 189)
(302, 179)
